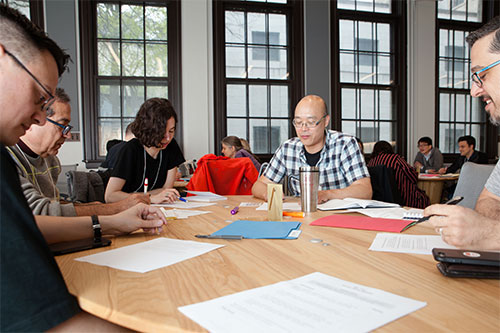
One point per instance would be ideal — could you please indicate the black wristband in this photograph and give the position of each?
(96, 226)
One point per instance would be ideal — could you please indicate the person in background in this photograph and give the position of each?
(478, 229)
(233, 147)
(466, 146)
(406, 177)
(39, 168)
(342, 168)
(429, 159)
(34, 297)
(114, 149)
(153, 155)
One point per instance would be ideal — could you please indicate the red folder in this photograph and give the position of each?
(361, 222)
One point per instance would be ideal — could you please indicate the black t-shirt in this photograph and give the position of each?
(34, 297)
(312, 159)
(112, 155)
(130, 165)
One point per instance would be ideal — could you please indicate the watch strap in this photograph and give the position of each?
(96, 226)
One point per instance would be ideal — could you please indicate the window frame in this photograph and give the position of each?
(491, 138)
(294, 10)
(88, 45)
(397, 18)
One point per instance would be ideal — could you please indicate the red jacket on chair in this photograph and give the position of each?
(224, 175)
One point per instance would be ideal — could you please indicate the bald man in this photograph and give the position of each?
(342, 168)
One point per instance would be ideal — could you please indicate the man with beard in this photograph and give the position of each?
(479, 228)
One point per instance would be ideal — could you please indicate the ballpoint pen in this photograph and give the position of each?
(235, 210)
(145, 185)
(182, 199)
(452, 201)
(220, 236)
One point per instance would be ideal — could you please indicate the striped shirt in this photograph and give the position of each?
(406, 179)
(340, 164)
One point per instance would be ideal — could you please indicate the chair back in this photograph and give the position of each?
(471, 182)
(223, 175)
(86, 186)
(384, 185)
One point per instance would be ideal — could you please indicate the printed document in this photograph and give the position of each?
(390, 213)
(204, 196)
(147, 256)
(417, 244)
(184, 205)
(313, 303)
(182, 213)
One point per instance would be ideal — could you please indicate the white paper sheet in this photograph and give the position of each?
(389, 213)
(293, 206)
(250, 204)
(147, 256)
(348, 203)
(184, 205)
(313, 303)
(417, 244)
(182, 213)
(204, 196)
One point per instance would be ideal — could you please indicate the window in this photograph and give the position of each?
(368, 54)
(130, 56)
(458, 113)
(257, 71)
(32, 9)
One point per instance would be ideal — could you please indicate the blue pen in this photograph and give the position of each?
(182, 199)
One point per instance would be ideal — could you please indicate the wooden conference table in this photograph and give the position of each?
(433, 185)
(149, 301)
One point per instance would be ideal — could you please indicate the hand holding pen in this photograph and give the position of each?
(453, 201)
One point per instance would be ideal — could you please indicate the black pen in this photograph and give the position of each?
(219, 236)
(452, 201)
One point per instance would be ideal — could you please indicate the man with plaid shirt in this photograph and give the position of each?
(343, 172)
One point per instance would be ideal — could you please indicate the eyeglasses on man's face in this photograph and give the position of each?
(46, 101)
(65, 129)
(307, 124)
(477, 79)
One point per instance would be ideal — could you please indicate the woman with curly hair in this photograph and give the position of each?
(153, 155)
(406, 177)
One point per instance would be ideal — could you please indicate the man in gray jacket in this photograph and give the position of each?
(429, 159)
(38, 167)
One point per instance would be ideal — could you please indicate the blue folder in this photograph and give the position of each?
(261, 229)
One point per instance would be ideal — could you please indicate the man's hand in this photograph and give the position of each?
(323, 196)
(168, 195)
(463, 227)
(442, 170)
(141, 216)
(417, 165)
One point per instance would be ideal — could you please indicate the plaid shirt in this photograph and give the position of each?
(340, 164)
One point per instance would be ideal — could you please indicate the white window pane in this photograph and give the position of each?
(108, 129)
(109, 99)
(385, 100)
(156, 23)
(108, 58)
(257, 61)
(108, 21)
(279, 133)
(156, 60)
(235, 62)
(235, 27)
(348, 103)
(236, 95)
(367, 104)
(277, 29)
(132, 22)
(346, 34)
(259, 134)
(133, 97)
(279, 101)
(133, 59)
(258, 100)
(237, 127)
(256, 25)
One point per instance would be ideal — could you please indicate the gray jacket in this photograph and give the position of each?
(435, 161)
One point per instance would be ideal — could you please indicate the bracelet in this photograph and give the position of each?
(96, 226)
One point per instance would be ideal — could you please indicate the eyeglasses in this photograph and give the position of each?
(475, 76)
(47, 103)
(307, 124)
(65, 129)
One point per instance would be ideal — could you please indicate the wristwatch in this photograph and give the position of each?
(96, 226)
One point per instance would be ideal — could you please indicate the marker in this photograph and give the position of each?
(235, 210)
(219, 236)
(294, 214)
(452, 201)
(145, 185)
(182, 199)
